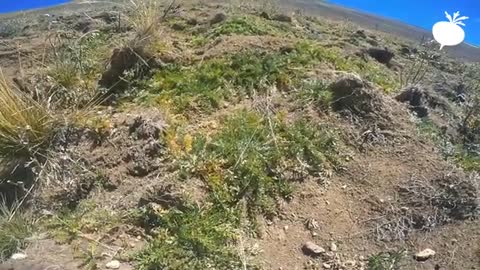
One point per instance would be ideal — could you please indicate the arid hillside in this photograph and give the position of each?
(236, 135)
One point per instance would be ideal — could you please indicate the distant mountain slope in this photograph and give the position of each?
(320, 8)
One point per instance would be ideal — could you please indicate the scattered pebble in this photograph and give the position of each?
(19, 256)
(113, 264)
(333, 247)
(329, 254)
(312, 249)
(424, 255)
(349, 263)
(327, 266)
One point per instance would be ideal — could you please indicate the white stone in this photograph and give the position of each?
(113, 264)
(19, 256)
(424, 254)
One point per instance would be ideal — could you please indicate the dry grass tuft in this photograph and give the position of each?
(25, 124)
(146, 16)
(15, 229)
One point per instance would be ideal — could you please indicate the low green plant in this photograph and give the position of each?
(246, 25)
(463, 155)
(192, 238)
(77, 62)
(206, 85)
(316, 93)
(468, 160)
(386, 261)
(85, 219)
(90, 258)
(307, 53)
(428, 129)
(15, 228)
(255, 158)
(247, 166)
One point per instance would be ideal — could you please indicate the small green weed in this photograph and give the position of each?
(386, 261)
(86, 218)
(468, 160)
(428, 129)
(15, 229)
(76, 66)
(247, 166)
(90, 258)
(192, 238)
(316, 93)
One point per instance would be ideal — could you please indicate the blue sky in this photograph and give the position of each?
(423, 13)
(14, 5)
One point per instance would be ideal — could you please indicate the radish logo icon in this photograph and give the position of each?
(449, 33)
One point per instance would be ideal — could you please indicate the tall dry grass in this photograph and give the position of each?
(25, 124)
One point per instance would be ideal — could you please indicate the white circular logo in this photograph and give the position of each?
(449, 33)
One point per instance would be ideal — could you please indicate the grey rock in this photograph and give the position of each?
(218, 18)
(312, 249)
(381, 55)
(178, 26)
(282, 18)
